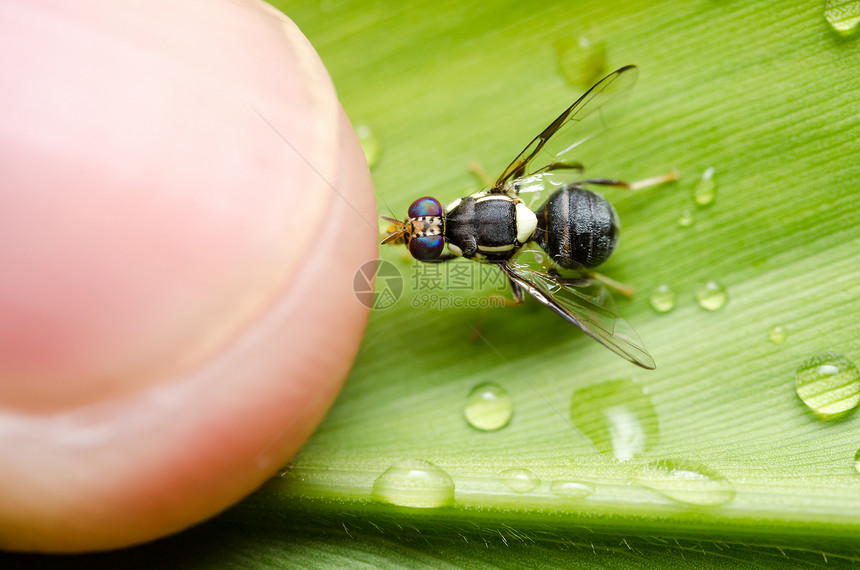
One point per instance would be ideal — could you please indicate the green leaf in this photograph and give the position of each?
(715, 445)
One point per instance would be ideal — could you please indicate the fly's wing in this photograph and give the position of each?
(580, 122)
(545, 182)
(585, 303)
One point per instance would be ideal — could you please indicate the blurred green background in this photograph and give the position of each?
(714, 460)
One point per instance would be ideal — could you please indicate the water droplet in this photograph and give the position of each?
(520, 480)
(857, 461)
(706, 190)
(842, 15)
(777, 334)
(488, 407)
(711, 296)
(617, 417)
(571, 489)
(414, 483)
(369, 144)
(662, 299)
(829, 384)
(582, 61)
(686, 219)
(687, 482)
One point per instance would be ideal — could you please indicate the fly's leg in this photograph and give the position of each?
(561, 165)
(617, 286)
(481, 174)
(612, 284)
(638, 185)
(516, 293)
(497, 301)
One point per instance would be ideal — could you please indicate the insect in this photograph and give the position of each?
(576, 227)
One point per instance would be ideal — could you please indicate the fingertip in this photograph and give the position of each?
(197, 205)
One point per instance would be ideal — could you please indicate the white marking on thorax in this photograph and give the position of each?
(526, 222)
(455, 250)
(496, 248)
(494, 197)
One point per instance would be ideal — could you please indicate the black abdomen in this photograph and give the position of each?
(577, 227)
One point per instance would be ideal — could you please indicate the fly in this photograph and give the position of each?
(576, 227)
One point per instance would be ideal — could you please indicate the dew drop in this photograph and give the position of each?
(687, 482)
(520, 480)
(617, 417)
(842, 15)
(706, 190)
(829, 384)
(414, 483)
(777, 334)
(488, 407)
(711, 296)
(582, 61)
(369, 144)
(686, 219)
(571, 489)
(662, 299)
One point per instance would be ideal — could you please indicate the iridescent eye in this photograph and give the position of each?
(426, 248)
(425, 206)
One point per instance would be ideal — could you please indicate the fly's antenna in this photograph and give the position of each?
(396, 233)
(387, 207)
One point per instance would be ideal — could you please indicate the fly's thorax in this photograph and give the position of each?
(488, 226)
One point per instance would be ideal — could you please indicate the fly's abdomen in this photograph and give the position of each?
(577, 227)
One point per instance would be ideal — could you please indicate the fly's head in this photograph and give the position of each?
(423, 231)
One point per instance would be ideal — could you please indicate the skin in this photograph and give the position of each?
(183, 205)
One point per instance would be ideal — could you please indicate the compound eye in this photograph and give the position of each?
(425, 206)
(426, 248)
